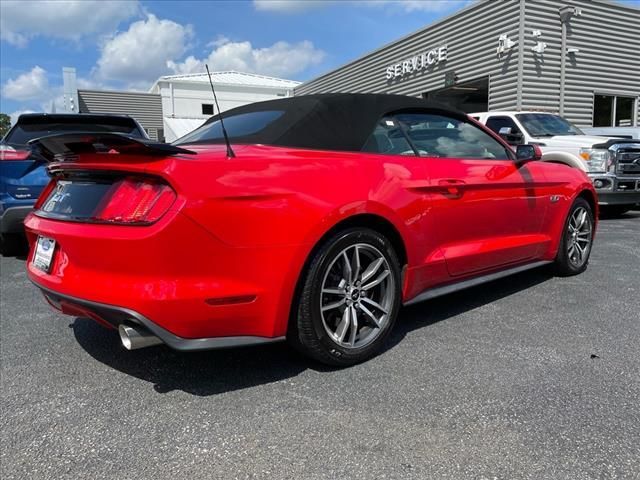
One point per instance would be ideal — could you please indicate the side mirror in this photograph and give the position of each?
(509, 137)
(527, 153)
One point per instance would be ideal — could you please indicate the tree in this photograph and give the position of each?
(5, 124)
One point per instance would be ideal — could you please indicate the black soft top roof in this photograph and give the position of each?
(336, 121)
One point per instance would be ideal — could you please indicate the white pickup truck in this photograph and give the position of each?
(613, 164)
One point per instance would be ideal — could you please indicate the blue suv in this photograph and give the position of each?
(22, 172)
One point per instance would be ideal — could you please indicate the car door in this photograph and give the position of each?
(488, 210)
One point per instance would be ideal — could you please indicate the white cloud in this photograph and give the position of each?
(69, 19)
(33, 85)
(282, 59)
(288, 6)
(296, 6)
(190, 65)
(141, 53)
(419, 5)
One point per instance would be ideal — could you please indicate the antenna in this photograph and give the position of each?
(224, 130)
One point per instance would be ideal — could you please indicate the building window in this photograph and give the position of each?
(624, 111)
(613, 111)
(207, 108)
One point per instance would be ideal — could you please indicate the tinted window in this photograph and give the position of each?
(602, 110)
(239, 125)
(496, 123)
(438, 136)
(22, 133)
(547, 125)
(624, 111)
(388, 138)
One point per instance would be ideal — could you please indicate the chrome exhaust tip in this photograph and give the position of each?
(133, 339)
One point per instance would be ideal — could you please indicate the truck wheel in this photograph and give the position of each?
(577, 238)
(610, 211)
(349, 300)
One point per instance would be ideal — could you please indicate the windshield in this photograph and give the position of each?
(23, 132)
(237, 126)
(547, 125)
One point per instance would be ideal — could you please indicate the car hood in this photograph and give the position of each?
(573, 141)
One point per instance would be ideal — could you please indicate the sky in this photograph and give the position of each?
(128, 44)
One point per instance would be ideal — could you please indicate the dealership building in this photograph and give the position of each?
(578, 58)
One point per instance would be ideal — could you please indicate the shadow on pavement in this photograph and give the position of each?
(15, 246)
(218, 371)
(631, 215)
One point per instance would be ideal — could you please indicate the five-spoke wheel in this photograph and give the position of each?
(577, 237)
(357, 293)
(350, 298)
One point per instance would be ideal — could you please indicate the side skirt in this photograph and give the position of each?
(472, 282)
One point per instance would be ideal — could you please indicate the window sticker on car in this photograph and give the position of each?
(389, 123)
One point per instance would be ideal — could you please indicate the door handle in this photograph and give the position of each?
(452, 186)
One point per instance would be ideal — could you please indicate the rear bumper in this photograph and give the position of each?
(115, 316)
(173, 274)
(12, 219)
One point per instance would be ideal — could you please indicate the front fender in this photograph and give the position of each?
(565, 158)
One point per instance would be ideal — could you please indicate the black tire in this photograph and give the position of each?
(12, 244)
(564, 264)
(612, 211)
(309, 332)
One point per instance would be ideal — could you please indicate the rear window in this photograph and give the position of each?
(237, 126)
(23, 132)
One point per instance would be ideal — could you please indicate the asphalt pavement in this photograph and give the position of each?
(527, 377)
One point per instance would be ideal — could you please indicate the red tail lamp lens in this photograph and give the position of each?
(11, 154)
(136, 201)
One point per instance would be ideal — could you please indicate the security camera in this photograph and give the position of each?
(539, 47)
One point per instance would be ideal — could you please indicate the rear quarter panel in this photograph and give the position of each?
(275, 196)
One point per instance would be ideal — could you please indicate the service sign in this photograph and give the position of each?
(417, 63)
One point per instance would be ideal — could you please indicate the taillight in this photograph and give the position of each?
(11, 154)
(134, 200)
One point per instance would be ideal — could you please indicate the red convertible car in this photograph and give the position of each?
(322, 217)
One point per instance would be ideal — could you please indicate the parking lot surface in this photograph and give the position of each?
(528, 377)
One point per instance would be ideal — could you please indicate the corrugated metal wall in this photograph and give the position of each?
(146, 108)
(607, 35)
(608, 38)
(471, 37)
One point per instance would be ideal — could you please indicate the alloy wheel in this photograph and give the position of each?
(579, 237)
(357, 296)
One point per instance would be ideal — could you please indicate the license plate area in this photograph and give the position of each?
(43, 255)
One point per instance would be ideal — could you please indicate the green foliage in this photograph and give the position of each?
(5, 124)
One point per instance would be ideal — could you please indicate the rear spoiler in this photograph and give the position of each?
(67, 146)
